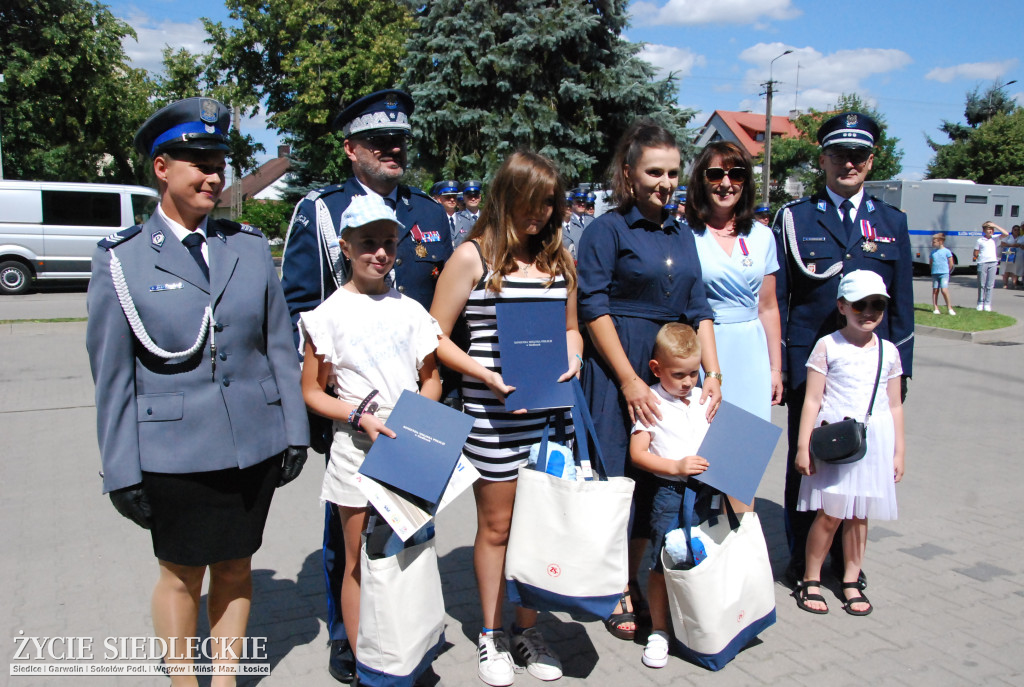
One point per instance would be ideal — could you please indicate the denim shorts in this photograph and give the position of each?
(940, 281)
(664, 517)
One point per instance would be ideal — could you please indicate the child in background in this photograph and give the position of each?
(941, 261)
(840, 381)
(371, 343)
(1011, 255)
(986, 254)
(666, 449)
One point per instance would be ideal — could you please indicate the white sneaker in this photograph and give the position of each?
(534, 652)
(936, 312)
(988, 307)
(951, 311)
(495, 666)
(980, 307)
(656, 651)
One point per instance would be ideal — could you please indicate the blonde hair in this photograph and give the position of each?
(676, 339)
(941, 236)
(525, 180)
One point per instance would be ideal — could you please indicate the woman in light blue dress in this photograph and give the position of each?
(738, 262)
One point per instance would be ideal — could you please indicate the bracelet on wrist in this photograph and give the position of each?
(364, 407)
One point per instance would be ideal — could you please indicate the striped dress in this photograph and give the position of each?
(500, 441)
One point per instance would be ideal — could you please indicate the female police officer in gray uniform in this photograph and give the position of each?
(200, 414)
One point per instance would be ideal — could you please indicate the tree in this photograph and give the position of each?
(988, 148)
(271, 216)
(70, 102)
(491, 76)
(798, 157)
(307, 60)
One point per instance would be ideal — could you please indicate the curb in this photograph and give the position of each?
(1014, 333)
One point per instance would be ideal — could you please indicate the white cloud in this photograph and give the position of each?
(971, 70)
(155, 35)
(691, 12)
(665, 58)
(821, 78)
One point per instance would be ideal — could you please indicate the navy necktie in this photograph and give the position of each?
(194, 243)
(847, 207)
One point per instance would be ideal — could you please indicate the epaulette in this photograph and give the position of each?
(325, 191)
(413, 191)
(882, 202)
(778, 213)
(236, 227)
(120, 237)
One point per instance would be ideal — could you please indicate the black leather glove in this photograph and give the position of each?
(292, 460)
(903, 388)
(132, 503)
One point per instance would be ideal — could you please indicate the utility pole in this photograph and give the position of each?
(766, 168)
(236, 169)
(1, 140)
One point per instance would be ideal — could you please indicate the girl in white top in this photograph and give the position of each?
(986, 254)
(371, 343)
(840, 381)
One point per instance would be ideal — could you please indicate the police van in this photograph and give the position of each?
(954, 206)
(49, 230)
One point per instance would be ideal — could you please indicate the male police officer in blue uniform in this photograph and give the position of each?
(446, 193)
(824, 237)
(465, 219)
(376, 129)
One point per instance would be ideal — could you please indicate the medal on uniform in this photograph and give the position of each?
(870, 246)
(747, 261)
(870, 234)
(417, 236)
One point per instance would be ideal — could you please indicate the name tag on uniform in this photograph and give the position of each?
(166, 287)
(814, 239)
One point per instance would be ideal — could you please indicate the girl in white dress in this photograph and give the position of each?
(840, 379)
(371, 343)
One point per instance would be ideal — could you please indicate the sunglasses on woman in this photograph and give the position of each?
(737, 175)
(876, 304)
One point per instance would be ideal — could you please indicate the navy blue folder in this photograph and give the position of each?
(419, 462)
(531, 335)
(738, 446)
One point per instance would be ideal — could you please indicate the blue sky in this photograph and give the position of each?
(914, 61)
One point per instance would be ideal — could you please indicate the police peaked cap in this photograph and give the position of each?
(381, 112)
(189, 124)
(850, 130)
(472, 185)
(445, 188)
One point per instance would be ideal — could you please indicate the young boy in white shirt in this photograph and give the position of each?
(667, 449)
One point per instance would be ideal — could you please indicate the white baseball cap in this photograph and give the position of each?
(861, 284)
(363, 210)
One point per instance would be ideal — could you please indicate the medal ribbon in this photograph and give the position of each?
(868, 231)
(417, 234)
(743, 247)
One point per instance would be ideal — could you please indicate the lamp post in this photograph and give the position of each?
(767, 166)
(991, 93)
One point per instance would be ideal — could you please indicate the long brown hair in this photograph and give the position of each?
(698, 200)
(641, 134)
(525, 179)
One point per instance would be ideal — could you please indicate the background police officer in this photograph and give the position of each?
(376, 129)
(824, 237)
(465, 219)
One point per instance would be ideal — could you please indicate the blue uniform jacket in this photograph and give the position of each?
(177, 416)
(307, 276)
(807, 303)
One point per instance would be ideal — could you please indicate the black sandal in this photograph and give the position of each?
(802, 597)
(859, 599)
(616, 619)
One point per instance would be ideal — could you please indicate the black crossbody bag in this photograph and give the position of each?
(845, 441)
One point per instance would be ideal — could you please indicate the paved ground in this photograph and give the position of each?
(946, 578)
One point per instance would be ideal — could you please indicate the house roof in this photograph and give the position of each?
(265, 175)
(745, 126)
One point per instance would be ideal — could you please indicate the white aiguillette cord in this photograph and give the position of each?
(124, 296)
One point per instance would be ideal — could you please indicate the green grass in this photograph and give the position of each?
(967, 319)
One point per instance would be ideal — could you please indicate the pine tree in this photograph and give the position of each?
(491, 76)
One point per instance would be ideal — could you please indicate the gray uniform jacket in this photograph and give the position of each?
(180, 416)
(464, 222)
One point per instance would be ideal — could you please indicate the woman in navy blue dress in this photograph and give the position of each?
(637, 271)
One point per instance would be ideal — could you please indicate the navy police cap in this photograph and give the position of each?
(446, 188)
(761, 210)
(850, 130)
(381, 112)
(472, 185)
(192, 123)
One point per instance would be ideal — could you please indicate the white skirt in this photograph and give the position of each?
(865, 489)
(348, 450)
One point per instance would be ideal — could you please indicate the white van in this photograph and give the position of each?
(49, 229)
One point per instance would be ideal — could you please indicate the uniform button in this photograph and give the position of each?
(398, 261)
(227, 382)
(218, 327)
(149, 411)
(433, 257)
(848, 256)
(668, 293)
(401, 289)
(223, 356)
(812, 253)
